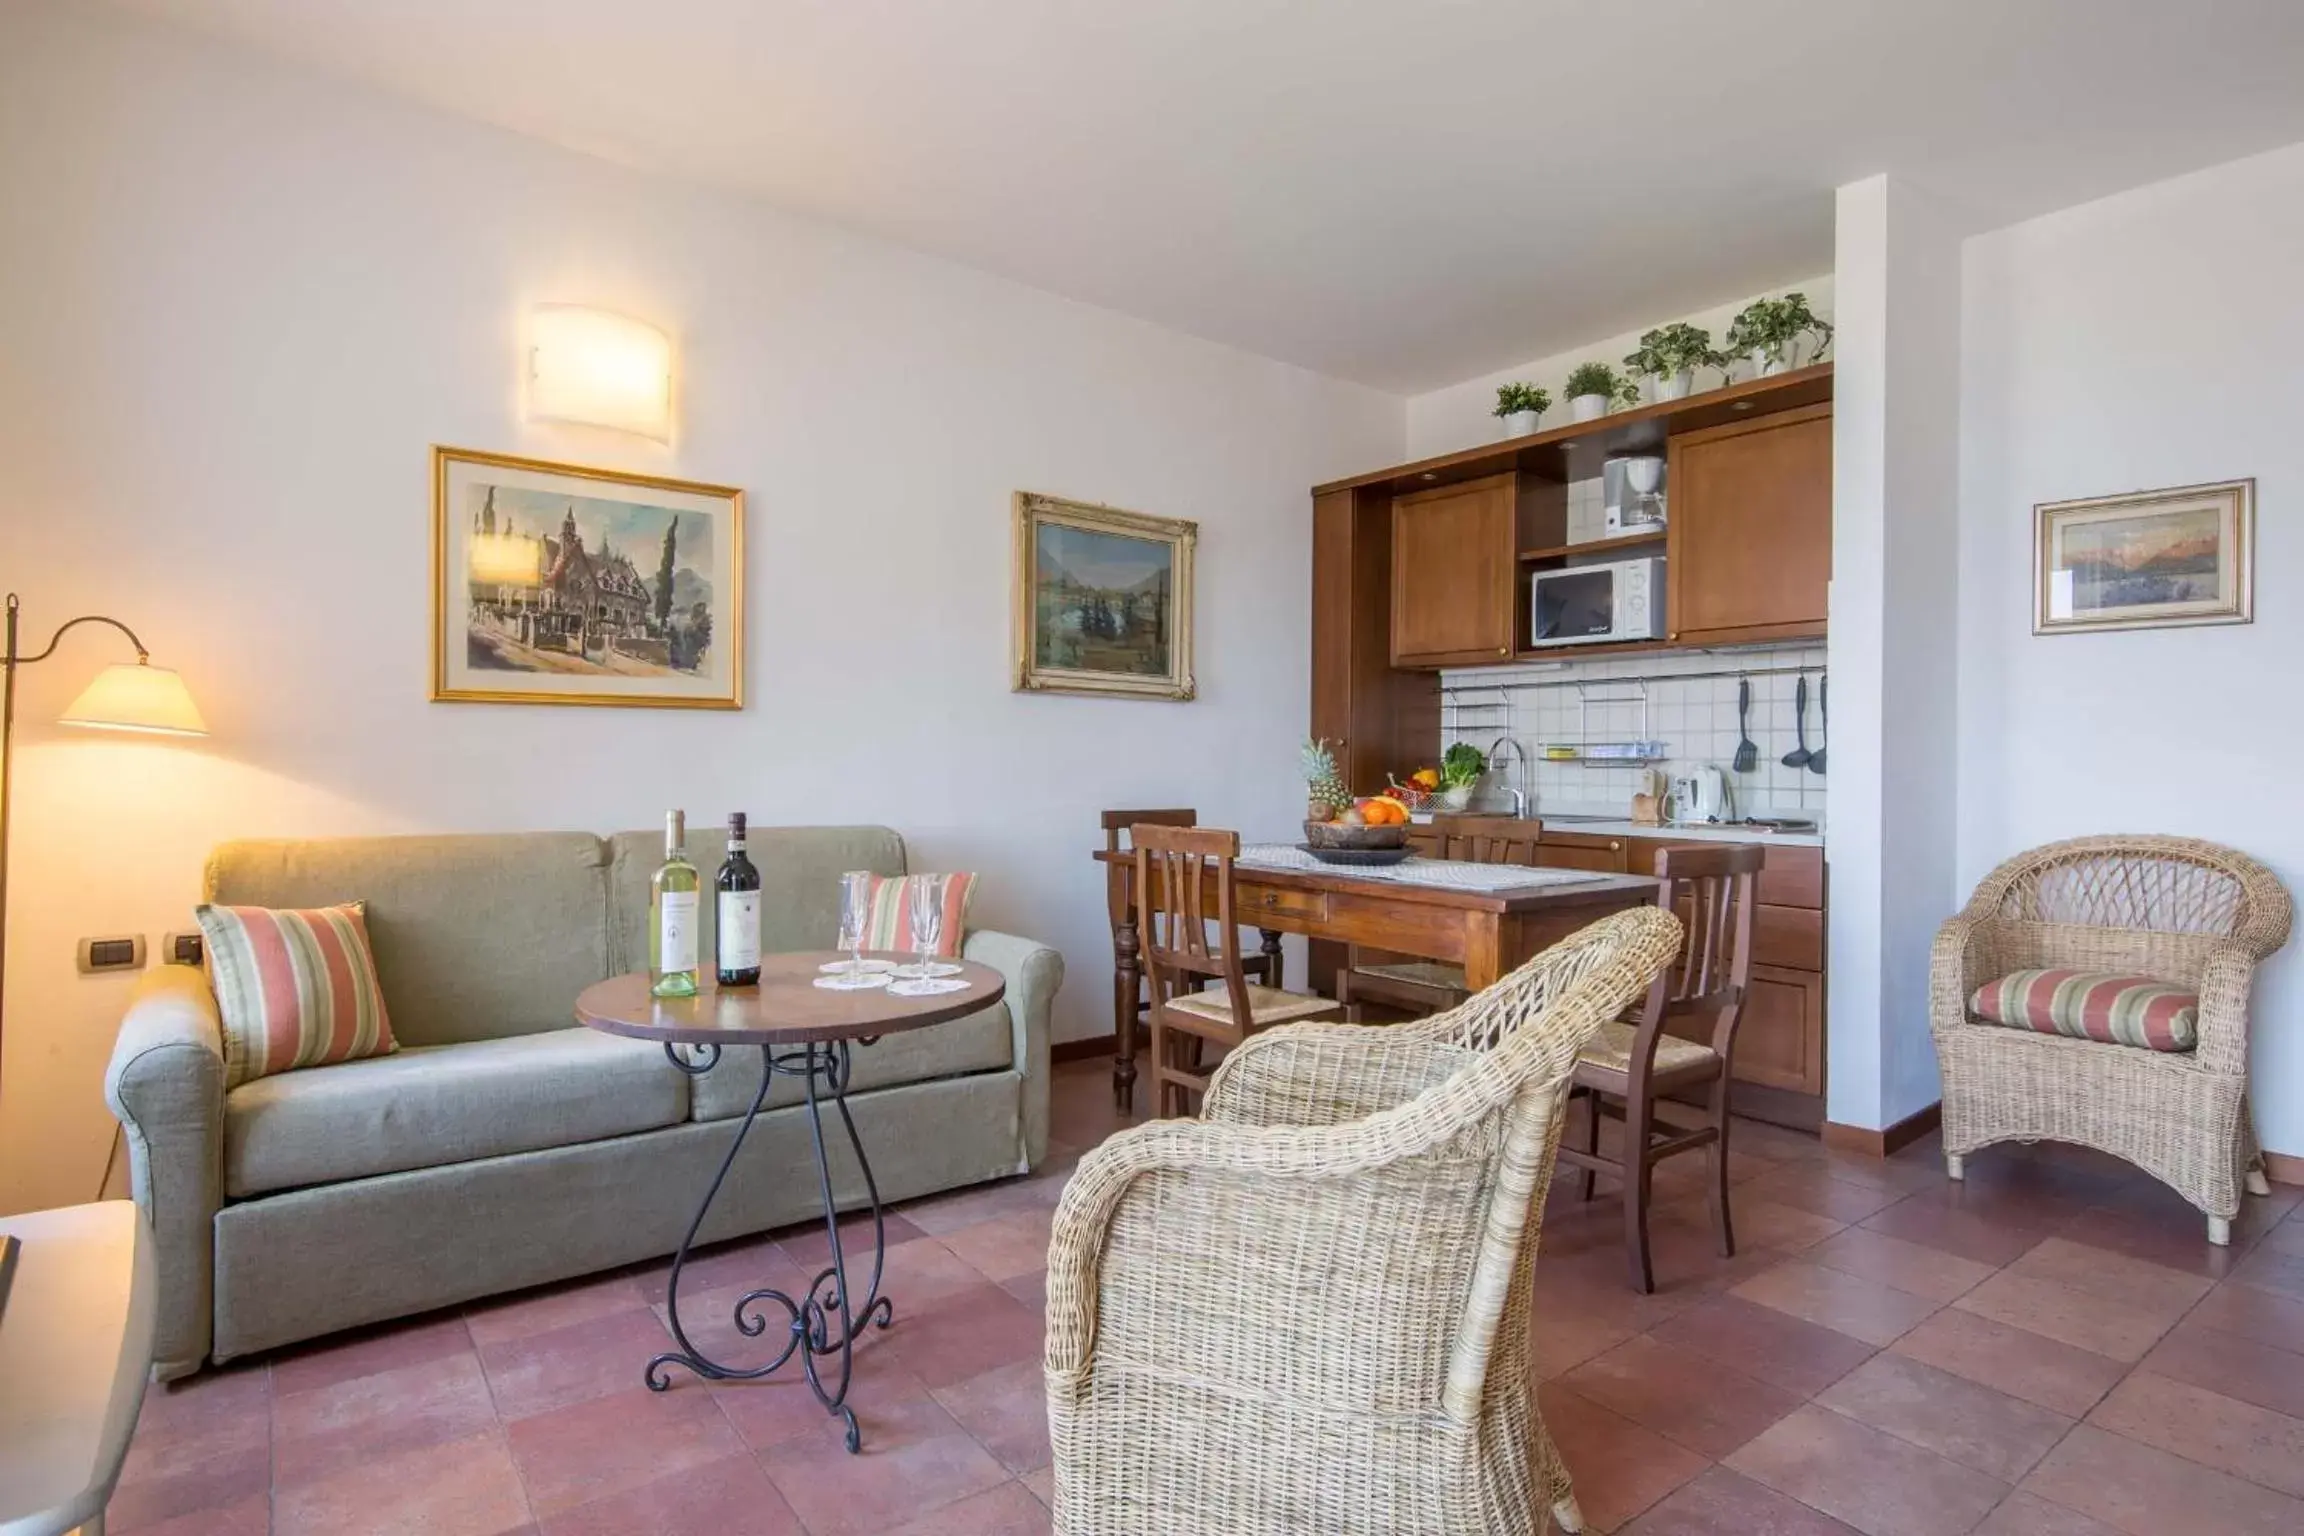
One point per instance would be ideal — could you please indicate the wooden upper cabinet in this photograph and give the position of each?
(1454, 552)
(1749, 545)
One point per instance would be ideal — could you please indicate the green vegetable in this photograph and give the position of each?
(1460, 765)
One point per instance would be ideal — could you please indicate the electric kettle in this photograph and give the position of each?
(1700, 794)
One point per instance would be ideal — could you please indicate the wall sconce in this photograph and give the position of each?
(599, 369)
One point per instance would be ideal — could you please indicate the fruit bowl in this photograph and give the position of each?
(1336, 834)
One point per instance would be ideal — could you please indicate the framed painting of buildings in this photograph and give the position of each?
(556, 584)
(2146, 560)
(1103, 600)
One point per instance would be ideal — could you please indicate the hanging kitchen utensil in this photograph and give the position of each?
(1823, 724)
(1747, 751)
(1798, 756)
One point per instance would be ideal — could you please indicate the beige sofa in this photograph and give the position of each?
(502, 1146)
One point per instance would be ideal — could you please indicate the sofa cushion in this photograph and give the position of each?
(433, 1105)
(294, 988)
(800, 869)
(981, 1042)
(475, 936)
(889, 923)
(2093, 1005)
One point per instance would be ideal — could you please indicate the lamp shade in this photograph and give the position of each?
(601, 369)
(137, 697)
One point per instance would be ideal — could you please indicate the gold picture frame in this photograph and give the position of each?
(1102, 600)
(534, 603)
(2146, 560)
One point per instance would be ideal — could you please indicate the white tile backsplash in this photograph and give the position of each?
(1695, 718)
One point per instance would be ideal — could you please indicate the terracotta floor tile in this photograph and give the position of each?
(2207, 1427)
(1689, 1399)
(1565, 1334)
(190, 1464)
(1008, 1510)
(966, 1334)
(915, 1459)
(365, 1351)
(1988, 1431)
(2146, 1492)
(1849, 1304)
(2233, 1364)
(924, 1269)
(1006, 1410)
(204, 1485)
(1760, 1341)
(781, 1407)
(732, 1266)
(2027, 1514)
(2179, 1244)
(608, 1445)
(1813, 1187)
(1005, 1246)
(2014, 1360)
(1619, 1469)
(1875, 1482)
(1722, 1501)
(1956, 1231)
(1761, 1223)
(321, 1432)
(1043, 1485)
(730, 1497)
(553, 1306)
(243, 1387)
(1910, 1267)
(2149, 1287)
(540, 1372)
(250, 1516)
(2274, 1270)
(2254, 1314)
(809, 1247)
(2056, 1311)
(465, 1488)
(1031, 1289)
(939, 1214)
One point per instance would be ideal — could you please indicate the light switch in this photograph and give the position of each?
(125, 953)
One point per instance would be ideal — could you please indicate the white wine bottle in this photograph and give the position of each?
(672, 935)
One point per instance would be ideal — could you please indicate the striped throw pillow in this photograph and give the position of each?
(2093, 1005)
(892, 901)
(294, 988)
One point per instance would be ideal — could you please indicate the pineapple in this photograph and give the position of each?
(1323, 784)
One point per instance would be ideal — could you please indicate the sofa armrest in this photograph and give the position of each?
(1032, 972)
(166, 1087)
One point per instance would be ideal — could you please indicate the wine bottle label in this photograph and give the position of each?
(739, 932)
(676, 938)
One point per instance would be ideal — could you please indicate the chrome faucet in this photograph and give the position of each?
(1520, 771)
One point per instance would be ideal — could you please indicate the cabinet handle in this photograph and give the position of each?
(1614, 846)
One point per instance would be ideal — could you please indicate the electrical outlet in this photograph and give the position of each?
(113, 954)
(181, 949)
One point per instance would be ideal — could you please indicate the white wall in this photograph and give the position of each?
(1464, 415)
(237, 305)
(2150, 339)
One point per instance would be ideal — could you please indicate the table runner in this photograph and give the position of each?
(1446, 874)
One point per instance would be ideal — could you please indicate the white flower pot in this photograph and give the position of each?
(1763, 365)
(1675, 386)
(1521, 423)
(1587, 407)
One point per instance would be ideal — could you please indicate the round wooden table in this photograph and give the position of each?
(804, 1031)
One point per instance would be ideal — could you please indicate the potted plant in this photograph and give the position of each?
(1520, 407)
(1769, 330)
(1594, 389)
(1670, 355)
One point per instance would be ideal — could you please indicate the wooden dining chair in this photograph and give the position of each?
(1682, 1039)
(1184, 882)
(1413, 986)
(1117, 835)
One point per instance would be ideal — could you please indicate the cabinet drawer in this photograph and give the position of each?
(1573, 850)
(1276, 901)
(1793, 877)
(1792, 937)
(1780, 1039)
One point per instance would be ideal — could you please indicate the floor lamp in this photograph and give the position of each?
(124, 697)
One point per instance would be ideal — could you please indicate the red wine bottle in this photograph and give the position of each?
(738, 930)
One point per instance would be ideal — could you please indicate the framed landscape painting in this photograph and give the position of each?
(1103, 600)
(2147, 560)
(555, 584)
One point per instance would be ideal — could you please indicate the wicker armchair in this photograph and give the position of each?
(2182, 911)
(1308, 1310)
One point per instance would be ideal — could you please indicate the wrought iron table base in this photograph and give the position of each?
(821, 1322)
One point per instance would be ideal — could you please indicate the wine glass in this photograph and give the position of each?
(927, 913)
(855, 920)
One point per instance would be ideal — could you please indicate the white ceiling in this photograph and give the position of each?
(1404, 192)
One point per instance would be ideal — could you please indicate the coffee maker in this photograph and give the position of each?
(1632, 493)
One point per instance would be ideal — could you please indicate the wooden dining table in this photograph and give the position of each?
(1490, 932)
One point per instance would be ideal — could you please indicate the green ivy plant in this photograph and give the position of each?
(1600, 379)
(1511, 399)
(1770, 326)
(1669, 349)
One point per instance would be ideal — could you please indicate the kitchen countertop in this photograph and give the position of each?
(1697, 832)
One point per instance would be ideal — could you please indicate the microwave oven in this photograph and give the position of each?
(1596, 604)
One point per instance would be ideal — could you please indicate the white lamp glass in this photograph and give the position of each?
(600, 369)
(135, 697)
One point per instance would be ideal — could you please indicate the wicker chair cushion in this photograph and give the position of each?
(1266, 1005)
(2092, 1005)
(1611, 1050)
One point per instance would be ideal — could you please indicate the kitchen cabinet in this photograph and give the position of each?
(1380, 720)
(1748, 550)
(1453, 558)
(1780, 1039)
(1585, 850)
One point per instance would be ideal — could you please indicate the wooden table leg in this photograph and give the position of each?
(1484, 960)
(1270, 949)
(1127, 978)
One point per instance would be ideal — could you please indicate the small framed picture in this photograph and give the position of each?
(1103, 600)
(554, 584)
(2147, 560)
